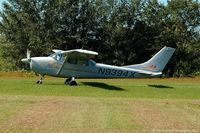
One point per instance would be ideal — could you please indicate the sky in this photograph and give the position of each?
(2, 1)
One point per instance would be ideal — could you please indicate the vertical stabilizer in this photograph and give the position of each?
(158, 62)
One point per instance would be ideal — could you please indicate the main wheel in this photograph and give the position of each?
(73, 83)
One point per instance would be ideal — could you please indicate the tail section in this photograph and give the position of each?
(157, 63)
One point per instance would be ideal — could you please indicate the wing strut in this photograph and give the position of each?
(58, 73)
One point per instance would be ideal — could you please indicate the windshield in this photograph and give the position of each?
(57, 57)
(52, 55)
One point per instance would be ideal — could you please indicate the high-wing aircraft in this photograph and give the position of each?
(78, 63)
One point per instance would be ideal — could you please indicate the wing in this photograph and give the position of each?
(78, 54)
(57, 50)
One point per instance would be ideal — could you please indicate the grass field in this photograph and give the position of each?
(99, 105)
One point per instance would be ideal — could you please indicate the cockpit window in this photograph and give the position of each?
(72, 60)
(52, 55)
(83, 62)
(57, 57)
(91, 62)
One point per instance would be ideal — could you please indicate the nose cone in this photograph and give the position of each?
(38, 64)
(25, 60)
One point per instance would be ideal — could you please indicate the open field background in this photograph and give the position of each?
(99, 105)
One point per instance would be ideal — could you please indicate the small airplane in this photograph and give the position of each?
(78, 63)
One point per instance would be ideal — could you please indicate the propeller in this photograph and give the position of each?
(28, 54)
(28, 57)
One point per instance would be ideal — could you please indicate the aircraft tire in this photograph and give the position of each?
(72, 83)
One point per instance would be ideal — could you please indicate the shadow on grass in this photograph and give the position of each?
(161, 86)
(60, 84)
(103, 86)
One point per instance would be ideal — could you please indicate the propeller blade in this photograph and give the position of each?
(28, 54)
(28, 57)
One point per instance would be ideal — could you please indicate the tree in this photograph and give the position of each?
(123, 31)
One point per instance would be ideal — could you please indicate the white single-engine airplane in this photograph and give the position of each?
(77, 63)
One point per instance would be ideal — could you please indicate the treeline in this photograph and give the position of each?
(122, 31)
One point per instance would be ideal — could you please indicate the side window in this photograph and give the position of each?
(91, 63)
(72, 60)
(83, 62)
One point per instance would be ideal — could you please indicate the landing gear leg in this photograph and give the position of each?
(71, 81)
(40, 81)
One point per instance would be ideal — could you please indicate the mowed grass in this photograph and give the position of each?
(183, 88)
(99, 105)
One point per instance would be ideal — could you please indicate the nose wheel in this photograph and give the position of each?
(71, 81)
(40, 81)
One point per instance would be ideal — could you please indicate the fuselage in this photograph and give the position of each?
(78, 63)
(51, 66)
